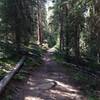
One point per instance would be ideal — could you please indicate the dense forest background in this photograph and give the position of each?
(73, 27)
(21, 23)
(68, 28)
(77, 24)
(74, 24)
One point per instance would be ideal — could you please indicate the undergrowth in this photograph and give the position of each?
(29, 66)
(7, 64)
(88, 86)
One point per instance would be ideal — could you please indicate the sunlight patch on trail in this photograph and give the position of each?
(72, 96)
(52, 50)
(46, 59)
(32, 98)
(65, 90)
(45, 86)
(65, 86)
(60, 90)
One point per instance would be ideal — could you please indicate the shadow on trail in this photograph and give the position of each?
(49, 82)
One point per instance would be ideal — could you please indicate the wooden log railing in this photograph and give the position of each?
(9, 76)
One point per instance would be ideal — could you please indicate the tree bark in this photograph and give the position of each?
(76, 44)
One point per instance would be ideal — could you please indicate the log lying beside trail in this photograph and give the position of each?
(9, 76)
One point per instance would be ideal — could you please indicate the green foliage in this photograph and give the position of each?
(17, 24)
(7, 64)
(87, 85)
(79, 77)
(58, 56)
(92, 98)
(9, 97)
(78, 23)
(19, 77)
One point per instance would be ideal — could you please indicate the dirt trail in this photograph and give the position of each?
(49, 82)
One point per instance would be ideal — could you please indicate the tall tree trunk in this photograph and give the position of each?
(66, 30)
(97, 28)
(76, 44)
(39, 23)
(61, 30)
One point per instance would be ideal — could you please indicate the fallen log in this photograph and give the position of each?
(9, 76)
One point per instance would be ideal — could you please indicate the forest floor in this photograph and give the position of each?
(51, 81)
